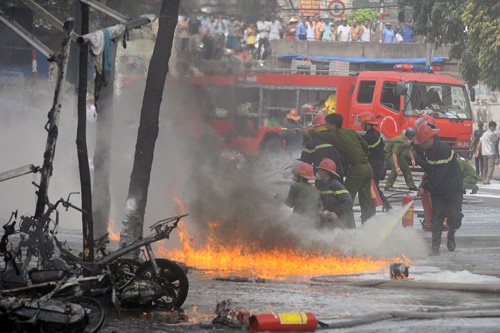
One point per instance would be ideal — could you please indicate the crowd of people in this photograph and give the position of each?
(207, 35)
(345, 164)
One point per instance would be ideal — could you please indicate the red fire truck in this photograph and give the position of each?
(247, 109)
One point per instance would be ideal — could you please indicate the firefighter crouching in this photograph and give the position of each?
(397, 162)
(353, 151)
(366, 120)
(335, 199)
(302, 196)
(444, 181)
(470, 175)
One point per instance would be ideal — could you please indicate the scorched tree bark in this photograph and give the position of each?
(135, 206)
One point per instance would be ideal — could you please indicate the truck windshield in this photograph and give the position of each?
(439, 100)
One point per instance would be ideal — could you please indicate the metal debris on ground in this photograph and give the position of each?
(227, 317)
(399, 271)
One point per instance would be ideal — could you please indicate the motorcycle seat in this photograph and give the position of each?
(46, 275)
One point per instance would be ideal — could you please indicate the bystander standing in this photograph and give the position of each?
(407, 32)
(356, 31)
(388, 33)
(344, 31)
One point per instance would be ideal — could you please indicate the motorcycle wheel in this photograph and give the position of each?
(93, 311)
(172, 279)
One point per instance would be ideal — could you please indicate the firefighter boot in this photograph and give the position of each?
(387, 206)
(436, 242)
(451, 240)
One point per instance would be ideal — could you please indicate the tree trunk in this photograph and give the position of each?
(81, 143)
(135, 207)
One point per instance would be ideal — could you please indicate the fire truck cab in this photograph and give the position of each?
(398, 99)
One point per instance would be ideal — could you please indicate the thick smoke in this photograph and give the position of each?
(240, 197)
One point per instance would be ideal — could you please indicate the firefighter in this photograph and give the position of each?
(470, 176)
(367, 121)
(293, 142)
(316, 150)
(353, 151)
(397, 162)
(419, 151)
(302, 196)
(420, 157)
(335, 199)
(444, 181)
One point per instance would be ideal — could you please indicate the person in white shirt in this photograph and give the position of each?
(398, 39)
(310, 25)
(275, 28)
(487, 147)
(365, 37)
(344, 31)
(263, 28)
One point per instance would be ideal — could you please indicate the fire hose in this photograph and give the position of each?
(380, 316)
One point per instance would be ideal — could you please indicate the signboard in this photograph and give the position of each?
(373, 3)
(309, 7)
(336, 8)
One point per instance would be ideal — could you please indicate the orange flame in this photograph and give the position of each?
(114, 236)
(243, 260)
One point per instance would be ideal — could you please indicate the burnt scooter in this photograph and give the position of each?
(147, 281)
(143, 281)
(52, 302)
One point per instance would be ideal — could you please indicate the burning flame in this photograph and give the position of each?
(237, 259)
(114, 236)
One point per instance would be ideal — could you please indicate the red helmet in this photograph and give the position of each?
(328, 165)
(424, 133)
(366, 116)
(303, 170)
(429, 121)
(426, 120)
(319, 120)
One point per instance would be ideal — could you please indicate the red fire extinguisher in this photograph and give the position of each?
(376, 200)
(427, 204)
(303, 321)
(408, 217)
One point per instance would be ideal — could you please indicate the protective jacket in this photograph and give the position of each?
(444, 175)
(316, 150)
(352, 147)
(376, 146)
(335, 198)
(395, 148)
(470, 176)
(304, 198)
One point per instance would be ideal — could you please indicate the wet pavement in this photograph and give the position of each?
(339, 299)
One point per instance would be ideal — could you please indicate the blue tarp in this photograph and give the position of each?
(359, 60)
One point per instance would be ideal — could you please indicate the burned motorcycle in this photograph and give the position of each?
(53, 303)
(146, 281)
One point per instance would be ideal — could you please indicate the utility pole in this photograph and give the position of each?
(81, 142)
(52, 124)
(381, 19)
